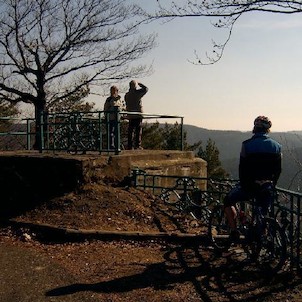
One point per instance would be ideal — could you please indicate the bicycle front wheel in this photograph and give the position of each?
(269, 250)
(218, 229)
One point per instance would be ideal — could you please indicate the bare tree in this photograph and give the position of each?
(224, 12)
(52, 49)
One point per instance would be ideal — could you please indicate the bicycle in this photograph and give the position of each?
(261, 236)
(185, 197)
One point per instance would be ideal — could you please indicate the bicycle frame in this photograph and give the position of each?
(261, 236)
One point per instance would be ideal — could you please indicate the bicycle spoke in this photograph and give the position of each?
(270, 250)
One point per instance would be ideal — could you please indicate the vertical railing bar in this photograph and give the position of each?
(100, 134)
(182, 134)
(28, 134)
(292, 256)
(47, 130)
(299, 231)
(41, 132)
(117, 134)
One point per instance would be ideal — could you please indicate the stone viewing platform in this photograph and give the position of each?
(26, 176)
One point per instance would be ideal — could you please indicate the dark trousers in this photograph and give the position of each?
(264, 196)
(135, 133)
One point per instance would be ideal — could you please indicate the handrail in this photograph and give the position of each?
(26, 133)
(287, 204)
(95, 122)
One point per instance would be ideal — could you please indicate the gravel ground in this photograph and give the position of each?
(35, 268)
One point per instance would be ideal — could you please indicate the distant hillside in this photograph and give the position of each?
(229, 144)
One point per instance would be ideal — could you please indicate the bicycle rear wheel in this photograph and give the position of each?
(218, 229)
(269, 249)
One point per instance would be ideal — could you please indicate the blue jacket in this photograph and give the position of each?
(260, 159)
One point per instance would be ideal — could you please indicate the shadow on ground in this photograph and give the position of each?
(213, 277)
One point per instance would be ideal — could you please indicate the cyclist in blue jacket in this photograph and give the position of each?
(259, 171)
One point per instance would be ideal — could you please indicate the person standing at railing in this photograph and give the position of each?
(133, 99)
(259, 171)
(113, 101)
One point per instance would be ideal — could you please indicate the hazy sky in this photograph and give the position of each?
(259, 74)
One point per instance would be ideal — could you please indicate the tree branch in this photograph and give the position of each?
(227, 12)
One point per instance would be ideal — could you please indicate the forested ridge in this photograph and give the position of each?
(229, 143)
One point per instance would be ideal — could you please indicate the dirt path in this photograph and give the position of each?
(132, 271)
(26, 275)
(126, 270)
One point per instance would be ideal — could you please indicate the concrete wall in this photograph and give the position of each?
(27, 178)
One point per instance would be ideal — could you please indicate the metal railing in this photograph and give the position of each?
(156, 182)
(288, 212)
(287, 206)
(79, 132)
(75, 132)
(17, 127)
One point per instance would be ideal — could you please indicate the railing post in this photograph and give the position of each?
(292, 213)
(117, 132)
(107, 121)
(182, 134)
(100, 134)
(28, 134)
(135, 173)
(54, 130)
(299, 231)
(134, 176)
(46, 125)
(41, 147)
